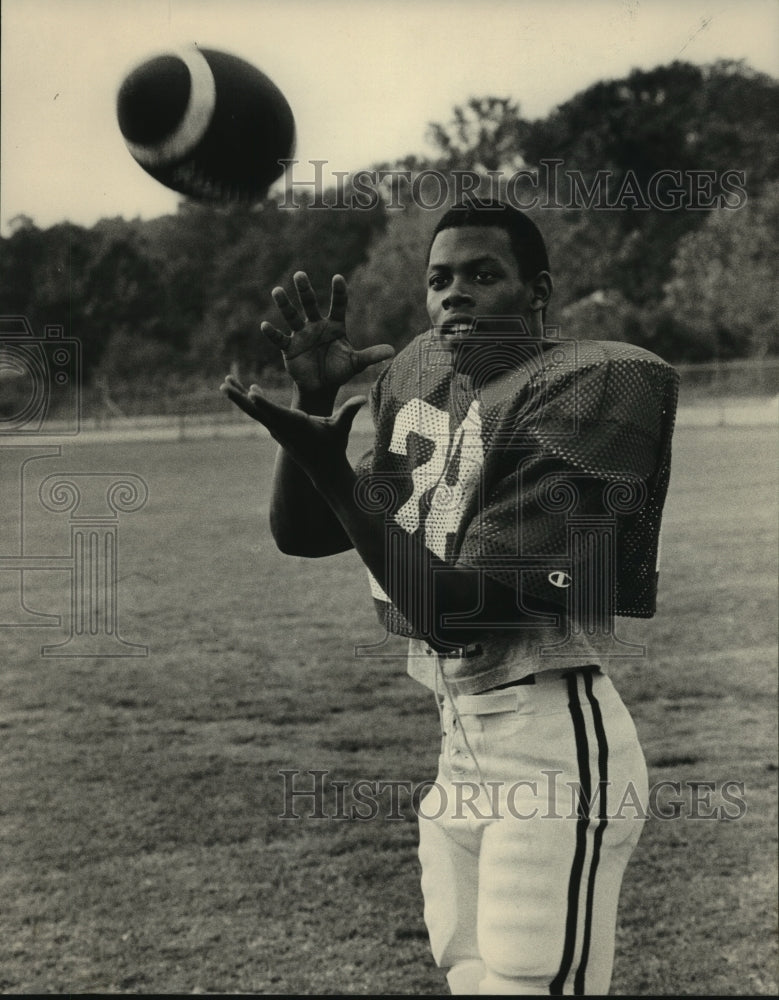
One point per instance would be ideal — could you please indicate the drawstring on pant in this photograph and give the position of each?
(439, 672)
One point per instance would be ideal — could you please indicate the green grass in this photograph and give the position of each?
(142, 849)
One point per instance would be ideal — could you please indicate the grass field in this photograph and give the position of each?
(142, 845)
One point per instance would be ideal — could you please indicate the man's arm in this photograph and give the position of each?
(430, 594)
(301, 521)
(426, 590)
(320, 359)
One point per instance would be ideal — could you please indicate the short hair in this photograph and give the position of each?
(527, 243)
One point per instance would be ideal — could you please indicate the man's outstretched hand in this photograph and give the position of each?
(317, 444)
(317, 353)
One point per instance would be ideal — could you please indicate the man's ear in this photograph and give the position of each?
(541, 289)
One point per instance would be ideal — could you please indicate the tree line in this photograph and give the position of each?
(658, 194)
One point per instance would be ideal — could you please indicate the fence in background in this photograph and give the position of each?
(732, 393)
(729, 393)
(729, 383)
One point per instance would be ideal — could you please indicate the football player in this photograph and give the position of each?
(509, 509)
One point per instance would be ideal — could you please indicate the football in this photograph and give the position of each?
(207, 124)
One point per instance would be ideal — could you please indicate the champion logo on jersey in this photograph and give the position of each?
(559, 579)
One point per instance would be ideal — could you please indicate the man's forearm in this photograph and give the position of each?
(301, 520)
(427, 591)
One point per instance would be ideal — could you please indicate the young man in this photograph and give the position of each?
(509, 509)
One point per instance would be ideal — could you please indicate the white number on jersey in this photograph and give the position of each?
(448, 500)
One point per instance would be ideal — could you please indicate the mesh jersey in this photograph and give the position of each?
(565, 452)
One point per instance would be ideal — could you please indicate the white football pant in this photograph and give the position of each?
(539, 801)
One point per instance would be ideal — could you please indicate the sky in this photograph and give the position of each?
(364, 78)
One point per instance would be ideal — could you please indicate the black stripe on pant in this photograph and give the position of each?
(582, 825)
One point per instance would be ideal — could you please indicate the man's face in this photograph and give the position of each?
(473, 275)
